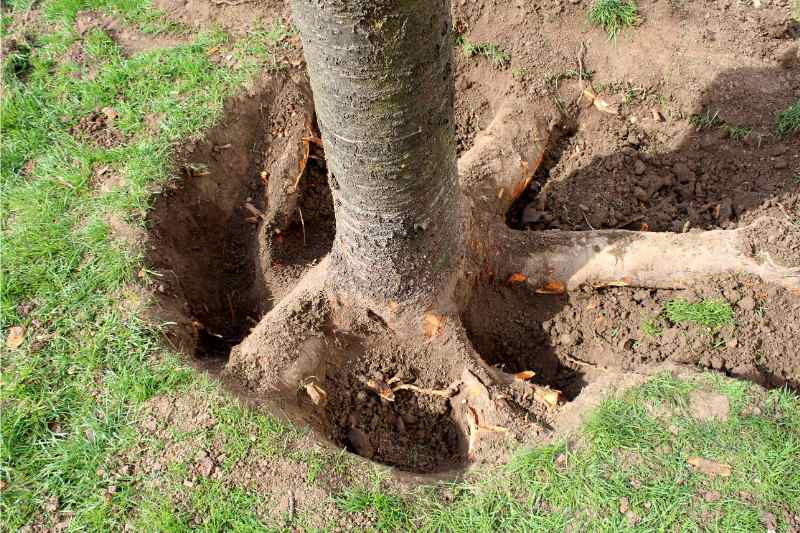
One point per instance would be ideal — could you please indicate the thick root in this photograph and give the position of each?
(554, 261)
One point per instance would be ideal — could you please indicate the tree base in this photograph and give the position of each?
(562, 305)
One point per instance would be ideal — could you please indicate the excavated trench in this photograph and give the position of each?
(220, 267)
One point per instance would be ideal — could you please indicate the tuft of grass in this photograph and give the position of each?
(712, 314)
(496, 55)
(787, 121)
(652, 327)
(737, 133)
(614, 15)
(708, 119)
(388, 511)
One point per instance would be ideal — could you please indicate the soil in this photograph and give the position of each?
(98, 127)
(223, 265)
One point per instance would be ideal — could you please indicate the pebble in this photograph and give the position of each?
(639, 168)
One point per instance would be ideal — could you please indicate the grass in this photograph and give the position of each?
(71, 391)
(711, 119)
(787, 121)
(614, 15)
(652, 327)
(496, 55)
(711, 314)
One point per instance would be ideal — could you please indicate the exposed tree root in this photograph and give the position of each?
(638, 259)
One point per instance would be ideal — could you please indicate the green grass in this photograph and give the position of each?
(711, 119)
(614, 15)
(787, 121)
(652, 327)
(72, 390)
(711, 314)
(496, 55)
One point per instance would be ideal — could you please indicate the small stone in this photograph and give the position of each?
(712, 496)
(624, 505)
(639, 168)
(779, 163)
(717, 362)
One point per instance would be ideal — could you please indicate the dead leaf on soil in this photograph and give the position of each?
(517, 277)
(432, 324)
(711, 468)
(525, 375)
(601, 103)
(316, 393)
(16, 336)
(552, 287)
(381, 389)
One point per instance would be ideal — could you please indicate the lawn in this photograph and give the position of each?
(82, 364)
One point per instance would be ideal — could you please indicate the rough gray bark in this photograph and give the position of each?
(382, 76)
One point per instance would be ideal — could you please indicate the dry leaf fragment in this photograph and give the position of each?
(316, 393)
(381, 389)
(16, 336)
(602, 103)
(552, 287)
(525, 375)
(517, 277)
(711, 468)
(547, 395)
(432, 324)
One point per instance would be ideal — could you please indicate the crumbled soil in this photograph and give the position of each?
(223, 264)
(98, 127)
(232, 15)
(414, 432)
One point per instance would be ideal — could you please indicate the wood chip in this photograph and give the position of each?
(381, 388)
(711, 468)
(517, 277)
(552, 287)
(432, 324)
(16, 336)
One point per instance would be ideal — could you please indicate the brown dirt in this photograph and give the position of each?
(646, 168)
(131, 41)
(233, 15)
(98, 127)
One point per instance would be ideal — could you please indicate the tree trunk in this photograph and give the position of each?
(382, 76)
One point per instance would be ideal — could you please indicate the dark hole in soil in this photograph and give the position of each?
(524, 213)
(213, 282)
(504, 324)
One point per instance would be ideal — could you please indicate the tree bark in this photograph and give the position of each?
(382, 76)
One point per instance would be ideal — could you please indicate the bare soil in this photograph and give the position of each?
(225, 256)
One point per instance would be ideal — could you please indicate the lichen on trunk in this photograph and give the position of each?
(382, 77)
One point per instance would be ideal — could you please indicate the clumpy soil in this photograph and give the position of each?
(232, 236)
(569, 340)
(414, 432)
